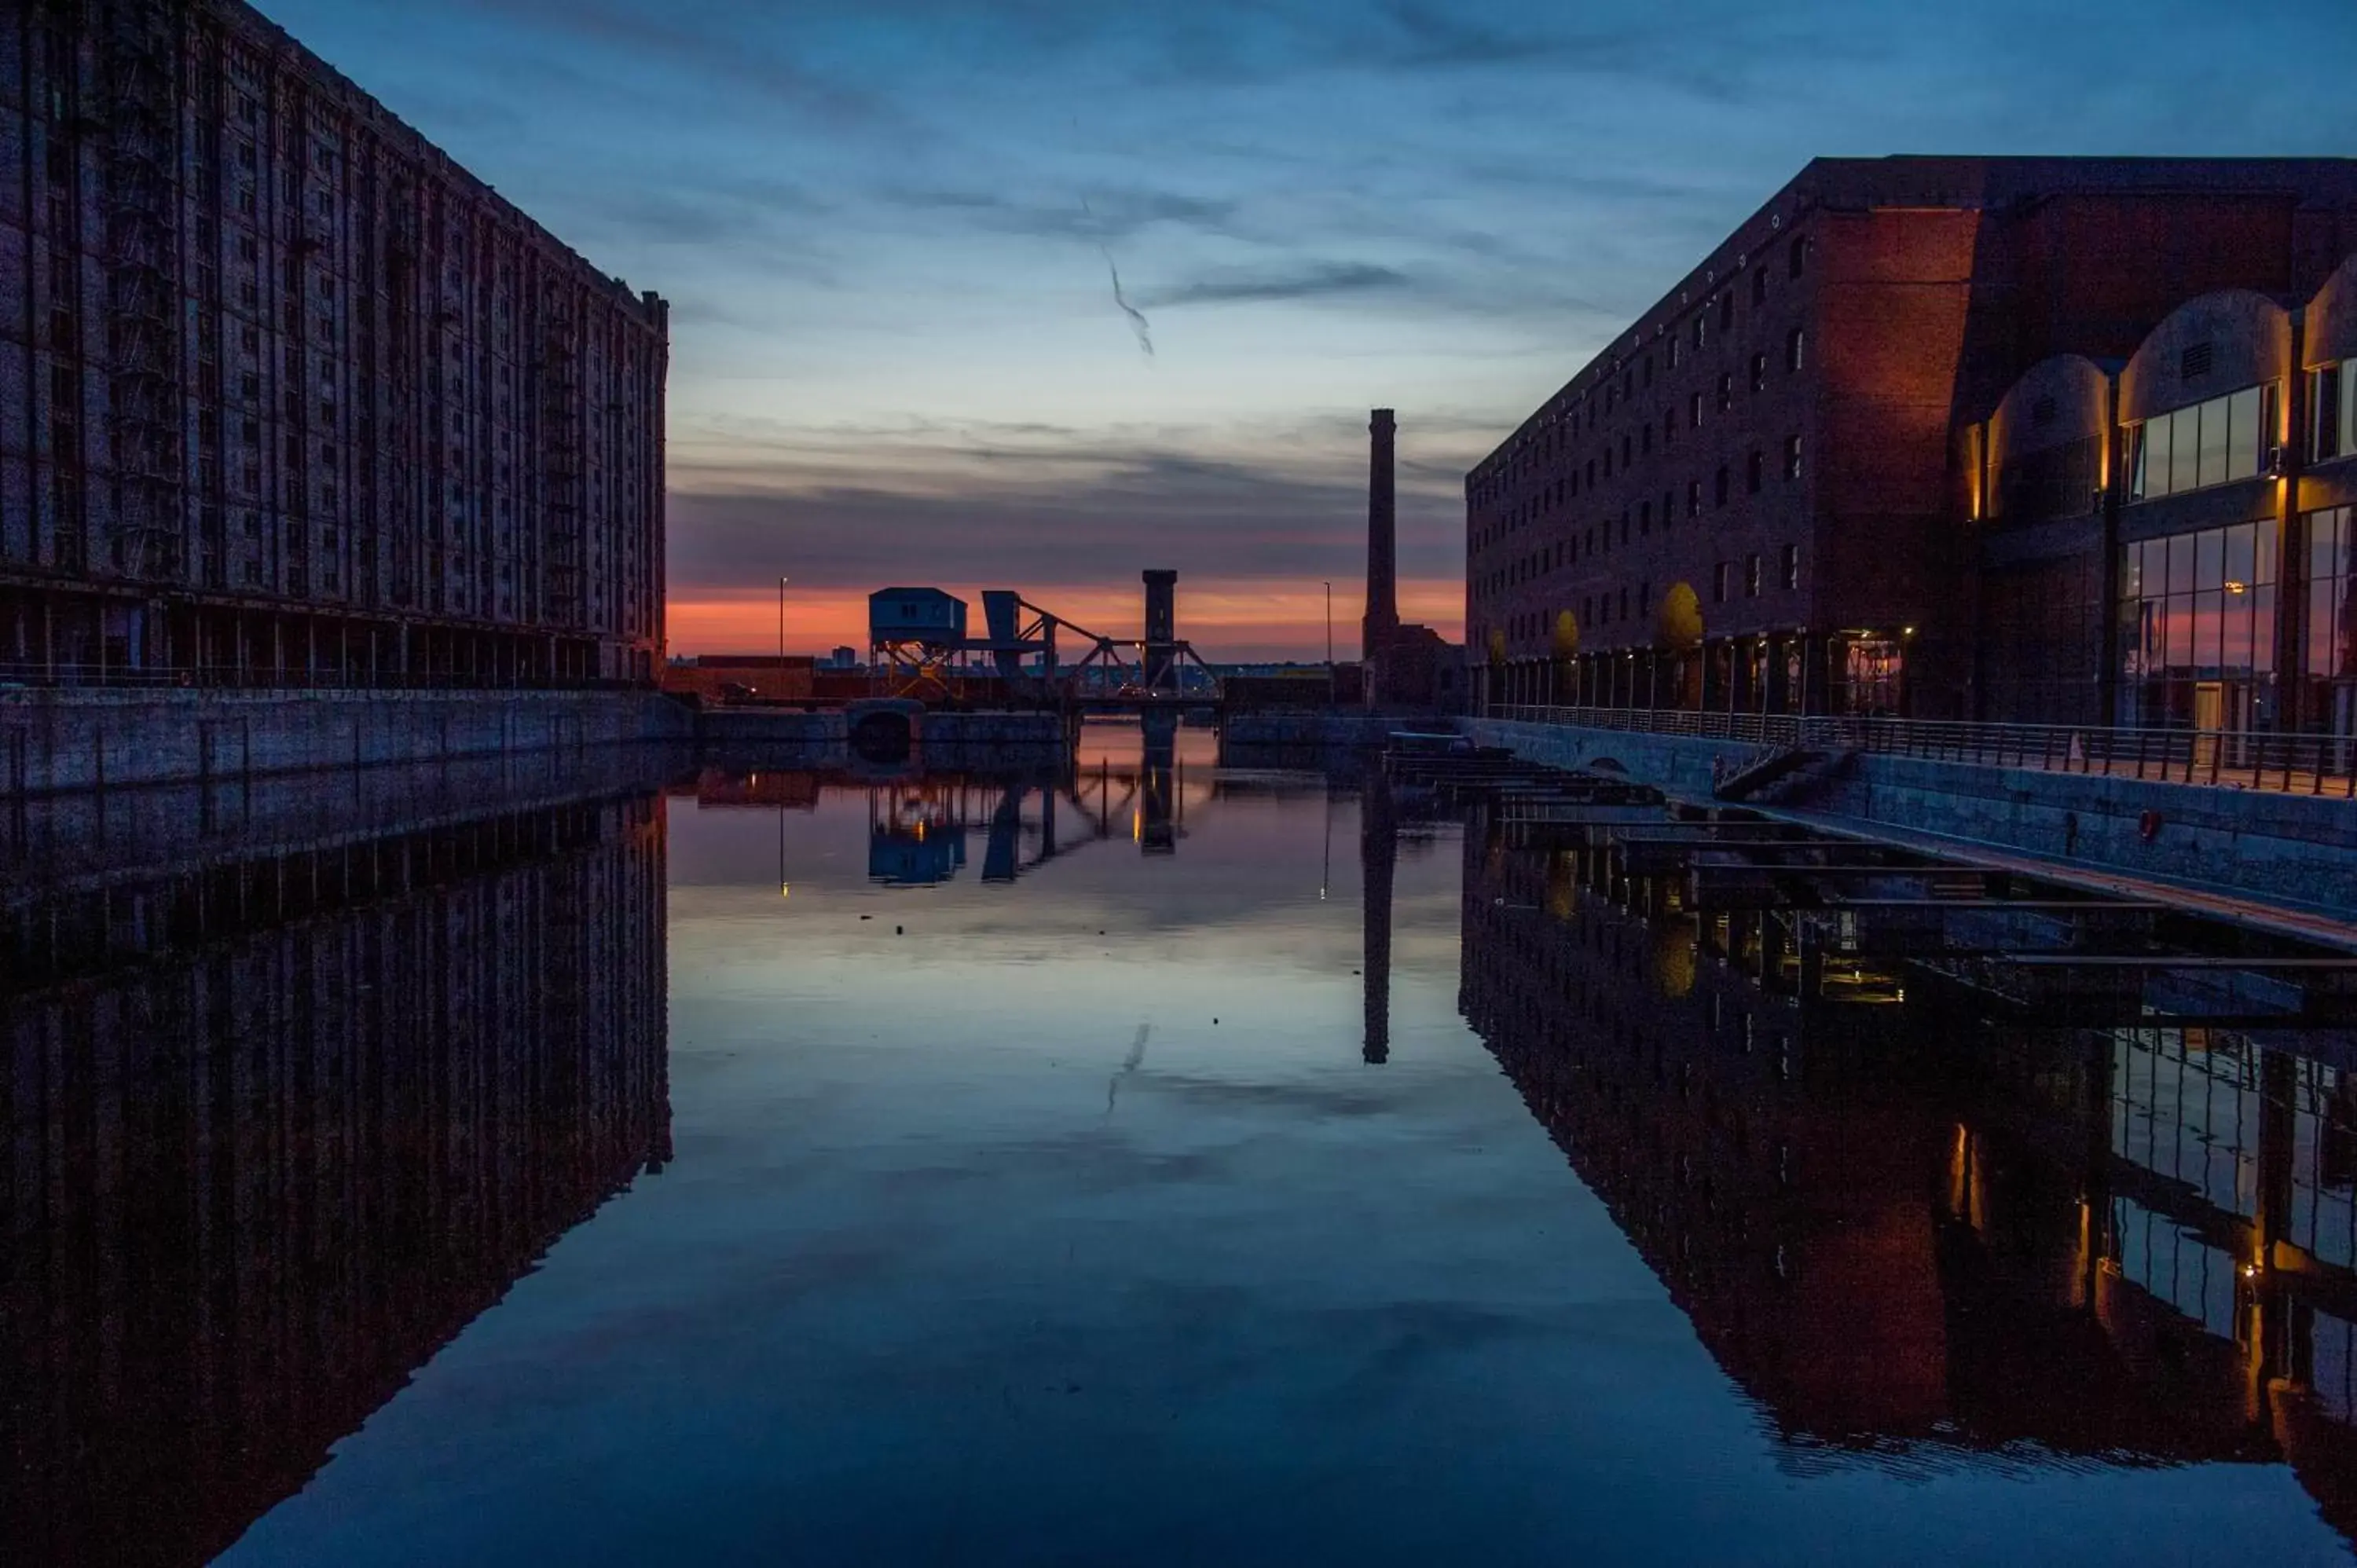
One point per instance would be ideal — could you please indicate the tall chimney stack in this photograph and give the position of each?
(1383, 547)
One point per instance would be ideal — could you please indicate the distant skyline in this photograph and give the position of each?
(888, 232)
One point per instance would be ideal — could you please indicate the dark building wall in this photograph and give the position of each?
(286, 387)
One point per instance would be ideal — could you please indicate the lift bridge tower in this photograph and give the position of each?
(1030, 655)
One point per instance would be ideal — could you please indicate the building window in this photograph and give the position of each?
(1751, 576)
(1668, 510)
(1759, 372)
(1720, 579)
(1694, 498)
(1720, 493)
(1791, 568)
(1625, 449)
(1725, 392)
(2328, 661)
(1644, 517)
(1795, 349)
(1791, 456)
(1727, 311)
(1797, 256)
(1673, 351)
(1755, 469)
(1760, 286)
(1701, 328)
(1669, 425)
(2198, 629)
(2332, 400)
(2213, 442)
(1649, 370)
(1645, 438)
(1693, 411)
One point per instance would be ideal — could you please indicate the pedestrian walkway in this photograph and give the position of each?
(2303, 922)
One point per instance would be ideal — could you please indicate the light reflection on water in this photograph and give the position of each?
(1121, 1183)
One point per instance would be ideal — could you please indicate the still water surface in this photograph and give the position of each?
(1168, 1165)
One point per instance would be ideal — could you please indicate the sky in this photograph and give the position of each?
(891, 232)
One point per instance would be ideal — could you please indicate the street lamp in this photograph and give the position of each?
(781, 631)
(1329, 644)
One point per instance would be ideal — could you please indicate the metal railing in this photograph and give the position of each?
(2244, 760)
(246, 677)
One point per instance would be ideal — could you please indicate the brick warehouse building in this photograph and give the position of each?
(290, 396)
(1759, 497)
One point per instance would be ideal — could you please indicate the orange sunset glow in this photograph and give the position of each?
(1229, 621)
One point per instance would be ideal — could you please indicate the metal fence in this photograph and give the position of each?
(235, 677)
(2281, 764)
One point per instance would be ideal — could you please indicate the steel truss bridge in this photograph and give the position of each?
(1027, 655)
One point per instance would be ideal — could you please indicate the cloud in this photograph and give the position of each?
(991, 505)
(1093, 213)
(1313, 280)
(719, 44)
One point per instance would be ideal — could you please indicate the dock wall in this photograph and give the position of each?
(2295, 850)
(53, 741)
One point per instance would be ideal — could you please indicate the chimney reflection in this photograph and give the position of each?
(280, 1127)
(1936, 1224)
(1378, 859)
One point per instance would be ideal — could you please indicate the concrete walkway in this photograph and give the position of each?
(2301, 922)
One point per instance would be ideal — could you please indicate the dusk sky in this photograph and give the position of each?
(887, 230)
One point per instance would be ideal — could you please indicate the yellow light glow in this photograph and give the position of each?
(2233, 587)
(785, 889)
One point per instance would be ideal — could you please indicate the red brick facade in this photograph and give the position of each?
(1836, 346)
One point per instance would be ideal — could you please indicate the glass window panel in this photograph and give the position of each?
(2210, 558)
(2234, 632)
(2209, 630)
(2349, 405)
(2339, 622)
(2177, 639)
(2242, 552)
(2155, 473)
(2323, 544)
(2181, 562)
(2213, 437)
(2320, 640)
(2183, 428)
(2135, 456)
(2244, 439)
(2263, 629)
(2131, 571)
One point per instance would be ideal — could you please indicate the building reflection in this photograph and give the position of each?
(1907, 1220)
(280, 1125)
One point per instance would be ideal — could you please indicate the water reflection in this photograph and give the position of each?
(287, 1109)
(1909, 1217)
(920, 824)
